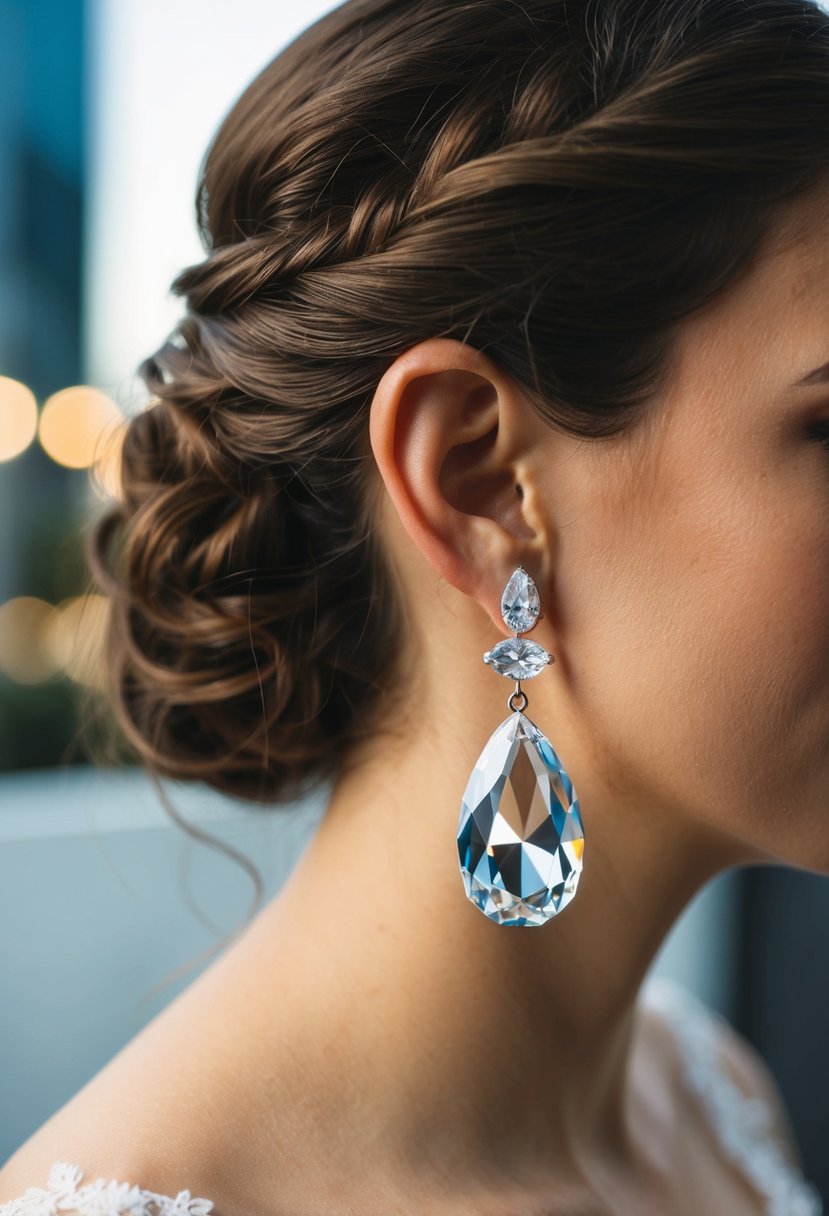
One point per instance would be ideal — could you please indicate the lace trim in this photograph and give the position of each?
(743, 1123)
(99, 1198)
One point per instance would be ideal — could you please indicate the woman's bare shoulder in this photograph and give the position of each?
(174, 1110)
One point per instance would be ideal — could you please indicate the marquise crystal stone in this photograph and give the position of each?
(518, 658)
(520, 835)
(520, 604)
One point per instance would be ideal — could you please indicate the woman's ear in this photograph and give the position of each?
(451, 436)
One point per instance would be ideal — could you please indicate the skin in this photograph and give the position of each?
(372, 1021)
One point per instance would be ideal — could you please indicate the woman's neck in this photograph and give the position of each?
(474, 1054)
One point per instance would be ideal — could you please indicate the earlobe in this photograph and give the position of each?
(446, 431)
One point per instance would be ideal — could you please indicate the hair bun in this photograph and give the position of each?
(225, 653)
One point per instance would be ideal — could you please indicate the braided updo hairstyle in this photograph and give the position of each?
(557, 182)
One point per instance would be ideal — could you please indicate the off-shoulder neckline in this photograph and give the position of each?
(741, 1123)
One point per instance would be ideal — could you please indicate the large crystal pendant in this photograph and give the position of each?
(520, 835)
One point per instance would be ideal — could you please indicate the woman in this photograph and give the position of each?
(491, 289)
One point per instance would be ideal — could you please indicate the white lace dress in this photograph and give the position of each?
(742, 1124)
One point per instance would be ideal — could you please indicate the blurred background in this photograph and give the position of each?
(107, 907)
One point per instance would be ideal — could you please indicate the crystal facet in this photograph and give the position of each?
(520, 835)
(518, 658)
(520, 604)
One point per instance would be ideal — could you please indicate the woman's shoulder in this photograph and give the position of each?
(138, 1145)
(155, 1132)
(182, 1114)
(156, 1105)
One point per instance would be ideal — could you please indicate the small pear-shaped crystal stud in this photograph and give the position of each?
(520, 605)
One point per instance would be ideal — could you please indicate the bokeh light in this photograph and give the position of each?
(76, 424)
(74, 636)
(18, 417)
(24, 654)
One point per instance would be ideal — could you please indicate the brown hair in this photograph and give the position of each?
(558, 182)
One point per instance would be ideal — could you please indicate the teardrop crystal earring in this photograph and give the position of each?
(520, 835)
